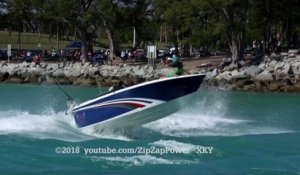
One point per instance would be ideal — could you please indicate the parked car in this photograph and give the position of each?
(162, 53)
(200, 53)
(140, 55)
(172, 50)
(29, 55)
(99, 57)
(3, 55)
(53, 56)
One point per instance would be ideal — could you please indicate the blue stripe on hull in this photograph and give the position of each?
(95, 115)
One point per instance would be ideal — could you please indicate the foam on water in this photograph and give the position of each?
(191, 125)
(175, 145)
(49, 125)
(202, 119)
(139, 160)
(110, 134)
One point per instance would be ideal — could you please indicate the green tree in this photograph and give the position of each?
(3, 15)
(137, 15)
(82, 22)
(232, 15)
(273, 20)
(173, 14)
(53, 18)
(20, 17)
(108, 16)
(118, 18)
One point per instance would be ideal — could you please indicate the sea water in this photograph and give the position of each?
(218, 132)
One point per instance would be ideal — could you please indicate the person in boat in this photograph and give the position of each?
(174, 60)
(178, 70)
(116, 86)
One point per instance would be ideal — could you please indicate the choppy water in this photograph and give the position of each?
(249, 133)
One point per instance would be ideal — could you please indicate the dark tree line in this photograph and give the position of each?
(206, 24)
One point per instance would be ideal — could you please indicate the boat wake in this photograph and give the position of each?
(204, 117)
(151, 159)
(207, 117)
(138, 160)
(49, 125)
(192, 125)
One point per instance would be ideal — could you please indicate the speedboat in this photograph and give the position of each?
(137, 104)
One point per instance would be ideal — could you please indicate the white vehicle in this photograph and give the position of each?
(172, 49)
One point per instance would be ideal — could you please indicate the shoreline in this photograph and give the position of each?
(67, 73)
(279, 73)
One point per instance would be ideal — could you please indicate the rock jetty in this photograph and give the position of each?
(77, 74)
(276, 72)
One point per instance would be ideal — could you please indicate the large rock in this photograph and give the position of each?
(84, 81)
(25, 64)
(250, 87)
(293, 51)
(252, 70)
(67, 71)
(31, 79)
(296, 68)
(43, 65)
(76, 72)
(279, 65)
(292, 55)
(275, 86)
(52, 67)
(262, 66)
(238, 75)
(4, 76)
(272, 64)
(86, 65)
(76, 65)
(61, 65)
(58, 73)
(92, 71)
(287, 69)
(266, 75)
(32, 64)
(140, 72)
(224, 76)
(25, 73)
(35, 69)
(275, 56)
(284, 54)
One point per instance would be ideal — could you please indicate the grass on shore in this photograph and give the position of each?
(31, 40)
